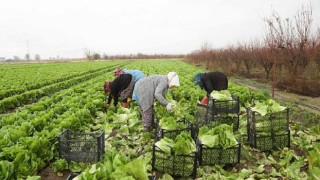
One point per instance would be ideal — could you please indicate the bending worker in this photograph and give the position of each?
(122, 86)
(136, 75)
(211, 81)
(150, 88)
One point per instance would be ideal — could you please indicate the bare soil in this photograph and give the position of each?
(49, 174)
(309, 103)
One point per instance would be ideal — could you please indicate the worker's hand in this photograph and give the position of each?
(107, 106)
(169, 106)
(124, 104)
(205, 100)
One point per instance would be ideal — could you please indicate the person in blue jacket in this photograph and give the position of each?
(136, 75)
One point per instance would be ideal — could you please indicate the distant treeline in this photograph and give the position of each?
(96, 56)
(288, 55)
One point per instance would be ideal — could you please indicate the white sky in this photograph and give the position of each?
(66, 27)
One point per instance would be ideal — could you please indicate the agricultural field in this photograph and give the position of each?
(40, 101)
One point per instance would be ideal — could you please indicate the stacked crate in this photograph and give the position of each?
(218, 112)
(172, 134)
(175, 165)
(268, 132)
(214, 155)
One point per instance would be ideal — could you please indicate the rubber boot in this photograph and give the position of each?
(205, 100)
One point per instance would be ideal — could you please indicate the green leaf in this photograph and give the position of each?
(314, 173)
(165, 144)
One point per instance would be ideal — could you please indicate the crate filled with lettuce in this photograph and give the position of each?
(81, 146)
(218, 145)
(230, 119)
(116, 165)
(268, 125)
(223, 108)
(171, 123)
(177, 157)
(223, 102)
(170, 127)
(203, 115)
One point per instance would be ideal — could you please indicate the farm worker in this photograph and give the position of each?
(154, 87)
(211, 81)
(136, 74)
(121, 86)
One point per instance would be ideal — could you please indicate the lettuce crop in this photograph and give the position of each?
(169, 123)
(219, 136)
(223, 95)
(182, 145)
(269, 106)
(165, 144)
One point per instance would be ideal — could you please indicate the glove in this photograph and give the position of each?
(169, 106)
(205, 100)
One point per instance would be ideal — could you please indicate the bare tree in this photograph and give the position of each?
(291, 39)
(87, 54)
(27, 57)
(234, 55)
(246, 56)
(96, 56)
(16, 58)
(264, 56)
(314, 51)
(37, 57)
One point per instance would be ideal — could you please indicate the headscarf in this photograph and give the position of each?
(107, 87)
(118, 71)
(173, 79)
(198, 80)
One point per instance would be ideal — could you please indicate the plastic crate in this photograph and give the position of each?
(225, 119)
(225, 106)
(81, 147)
(269, 141)
(172, 134)
(271, 122)
(204, 117)
(177, 166)
(268, 132)
(203, 114)
(211, 156)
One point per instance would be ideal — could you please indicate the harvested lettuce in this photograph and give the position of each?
(219, 136)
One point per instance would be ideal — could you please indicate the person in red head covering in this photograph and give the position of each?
(118, 71)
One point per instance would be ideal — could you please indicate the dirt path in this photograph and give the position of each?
(305, 102)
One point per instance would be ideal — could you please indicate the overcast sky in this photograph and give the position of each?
(67, 27)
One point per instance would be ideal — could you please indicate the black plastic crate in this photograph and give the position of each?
(172, 134)
(225, 119)
(271, 122)
(203, 115)
(269, 141)
(175, 165)
(215, 155)
(81, 147)
(225, 106)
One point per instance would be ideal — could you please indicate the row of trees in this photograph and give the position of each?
(290, 49)
(27, 57)
(96, 56)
